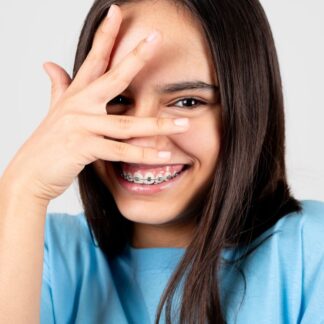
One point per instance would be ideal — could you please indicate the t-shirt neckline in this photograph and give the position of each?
(153, 258)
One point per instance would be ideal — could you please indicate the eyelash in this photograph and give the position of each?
(198, 102)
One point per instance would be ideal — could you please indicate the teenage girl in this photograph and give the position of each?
(173, 123)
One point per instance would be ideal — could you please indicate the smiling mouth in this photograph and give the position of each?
(149, 174)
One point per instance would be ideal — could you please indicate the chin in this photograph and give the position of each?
(140, 212)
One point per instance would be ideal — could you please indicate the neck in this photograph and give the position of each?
(148, 235)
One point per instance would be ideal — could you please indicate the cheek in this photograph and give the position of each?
(202, 140)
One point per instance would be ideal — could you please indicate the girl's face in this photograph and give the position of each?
(165, 218)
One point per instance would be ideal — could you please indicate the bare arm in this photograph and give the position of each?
(22, 221)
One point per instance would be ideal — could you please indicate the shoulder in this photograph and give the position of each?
(66, 226)
(306, 225)
(69, 249)
(313, 218)
(75, 271)
(286, 264)
(296, 239)
(302, 254)
(67, 234)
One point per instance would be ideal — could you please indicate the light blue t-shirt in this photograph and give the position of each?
(284, 276)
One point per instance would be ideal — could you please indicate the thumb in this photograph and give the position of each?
(60, 80)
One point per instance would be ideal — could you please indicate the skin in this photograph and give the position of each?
(165, 219)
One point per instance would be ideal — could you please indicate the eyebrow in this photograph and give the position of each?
(175, 87)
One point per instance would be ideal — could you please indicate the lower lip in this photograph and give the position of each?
(145, 189)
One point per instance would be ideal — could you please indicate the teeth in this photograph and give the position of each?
(149, 178)
(159, 178)
(138, 178)
(167, 175)
(129, 177)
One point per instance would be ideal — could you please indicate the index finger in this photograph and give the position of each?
(98, 57)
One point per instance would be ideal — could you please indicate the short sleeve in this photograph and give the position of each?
(46, 303)
(313, 255)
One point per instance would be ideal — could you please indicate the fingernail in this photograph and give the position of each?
(164, 155)
(152, 37)
(181, 122)
(111, 11)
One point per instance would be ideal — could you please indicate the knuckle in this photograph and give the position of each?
(104, 32)
(121, 149)
(137, 53)
(160, 123)
(92, 56)
(143, 155)
(96, 58)
(124, 122)
(116, 77)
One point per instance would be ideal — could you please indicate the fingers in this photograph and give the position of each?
(108, 150)
(98, 58)
(124, 127)
(60, 80)
(119, 77)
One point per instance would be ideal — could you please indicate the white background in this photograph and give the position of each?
(33, 32)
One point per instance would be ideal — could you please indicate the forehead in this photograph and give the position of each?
(183, 54)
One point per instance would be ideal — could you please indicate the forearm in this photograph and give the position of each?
(22, 221)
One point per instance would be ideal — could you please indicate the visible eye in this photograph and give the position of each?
(190, 103)
(119, 100)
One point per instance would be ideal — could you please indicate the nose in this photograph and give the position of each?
(147, 141)
(146, 108)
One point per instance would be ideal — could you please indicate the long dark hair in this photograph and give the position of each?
(249, 190)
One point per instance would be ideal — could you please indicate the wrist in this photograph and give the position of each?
(18, 191)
